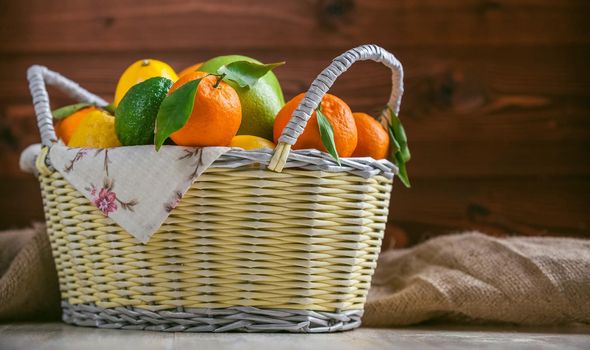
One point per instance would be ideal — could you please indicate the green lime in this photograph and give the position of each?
(260, 103)
(135, 116)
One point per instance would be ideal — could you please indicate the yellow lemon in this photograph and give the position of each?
(140, 71)
(249, 142)
(97, 130)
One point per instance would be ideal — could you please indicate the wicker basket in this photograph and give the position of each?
(292, 248)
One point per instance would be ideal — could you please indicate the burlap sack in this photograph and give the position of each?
(28, 280)
(522, 280)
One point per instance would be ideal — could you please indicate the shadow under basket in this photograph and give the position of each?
(246, 249)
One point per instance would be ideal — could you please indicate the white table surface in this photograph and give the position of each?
(60, 336)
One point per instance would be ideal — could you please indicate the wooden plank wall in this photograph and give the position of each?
(497, 101)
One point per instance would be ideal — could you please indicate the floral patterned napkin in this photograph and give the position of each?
(136, 187)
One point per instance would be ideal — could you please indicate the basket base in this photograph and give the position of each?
(236, 319)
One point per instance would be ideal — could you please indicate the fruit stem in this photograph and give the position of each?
(219, 79)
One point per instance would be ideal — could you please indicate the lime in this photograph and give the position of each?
(260, 103)
(136, 114)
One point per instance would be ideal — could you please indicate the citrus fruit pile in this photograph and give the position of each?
(234, 101)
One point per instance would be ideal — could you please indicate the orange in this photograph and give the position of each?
(216, 115)
(65, 128)
(373, 140)
(190, 69)
(339, 115)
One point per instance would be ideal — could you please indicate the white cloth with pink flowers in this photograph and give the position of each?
(137, 187)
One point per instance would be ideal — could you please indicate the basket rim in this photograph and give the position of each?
(302, 159)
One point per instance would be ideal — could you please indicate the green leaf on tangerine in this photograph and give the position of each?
(403, 172)
(246, 73)
(66, 111)
(394, 146)
(400, 136)
(327, 134)
(175, 111)
(400, 152)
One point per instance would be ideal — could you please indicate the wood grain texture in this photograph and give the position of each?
(497, 103)
(112, 25)
(26, 336)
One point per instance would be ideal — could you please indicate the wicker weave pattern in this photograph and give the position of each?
(242, 319)
(246, 249)
(299, 239)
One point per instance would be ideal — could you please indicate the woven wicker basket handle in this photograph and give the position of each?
(38, 76)
(320, 87)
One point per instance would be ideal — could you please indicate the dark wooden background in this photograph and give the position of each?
(496, 107)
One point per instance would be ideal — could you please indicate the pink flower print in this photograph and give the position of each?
(106, 201)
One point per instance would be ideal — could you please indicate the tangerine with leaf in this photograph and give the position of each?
(336, 112)
(373, 139)
(215, 112)
(203, 109)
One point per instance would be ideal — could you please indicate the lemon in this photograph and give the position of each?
(140, 71)
(249, 142)
(96, 130)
